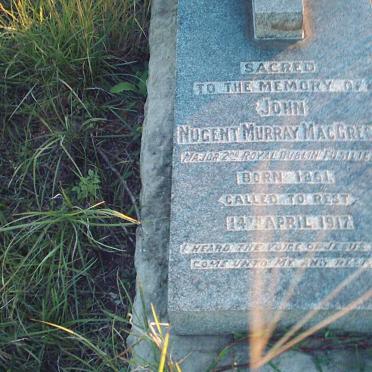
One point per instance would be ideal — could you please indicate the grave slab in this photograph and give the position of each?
(271, 178)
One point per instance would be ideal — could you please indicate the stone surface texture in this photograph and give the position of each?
(195, 353)
(153, 234)
(278, 19)
(227, 82)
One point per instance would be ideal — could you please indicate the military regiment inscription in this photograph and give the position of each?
(272, 160)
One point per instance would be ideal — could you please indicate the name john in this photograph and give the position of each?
(269, 107)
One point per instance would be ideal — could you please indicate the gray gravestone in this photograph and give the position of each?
(271, 163)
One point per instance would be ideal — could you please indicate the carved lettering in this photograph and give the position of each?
(289, 222)
(275, 247)
(239, 200)
(269, 107)
(251, 132)
(277, 67)
(280, 155)
(281, 86)
(282, 262)
(285, 177)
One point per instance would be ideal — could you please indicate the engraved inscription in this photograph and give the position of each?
(285, 177)
(239, 200)
(281, 86)
(277, 67)
(275, 247)
(291, 222)
(297, 129)
(281, 262)
(251, 132)
(269, 107)
(280, 155)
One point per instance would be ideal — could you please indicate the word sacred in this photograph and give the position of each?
(251, 132)
(281, 86)
(274, 247)
(290, 222)
(277, 67)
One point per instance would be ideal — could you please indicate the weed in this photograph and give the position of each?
(88, 187)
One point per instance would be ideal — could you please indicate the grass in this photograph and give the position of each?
(72, 87)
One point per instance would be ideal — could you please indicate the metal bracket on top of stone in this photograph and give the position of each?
(278, 19)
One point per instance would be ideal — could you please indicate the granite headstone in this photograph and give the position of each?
(271, 163)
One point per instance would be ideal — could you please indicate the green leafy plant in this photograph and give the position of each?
(139, 87)
(88, 187)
